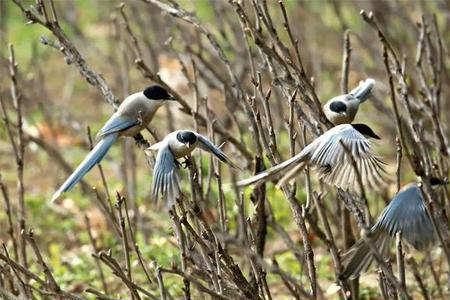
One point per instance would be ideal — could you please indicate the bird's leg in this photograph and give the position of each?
(177, 163)
(138, 138)
(325, 169)
(140, 141)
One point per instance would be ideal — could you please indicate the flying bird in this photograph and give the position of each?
(342, 109)
(133, 115)
(406, 213)
(178, 144)
(329, 156)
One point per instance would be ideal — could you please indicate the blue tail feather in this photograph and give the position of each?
(94, 157)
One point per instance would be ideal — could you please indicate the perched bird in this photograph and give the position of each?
(178, 144)
(329, 156)
(405, 213)
(133, 114)
(342, 109)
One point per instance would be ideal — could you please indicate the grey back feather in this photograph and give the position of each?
(116, 124)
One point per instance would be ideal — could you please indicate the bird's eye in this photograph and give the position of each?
(187, 137)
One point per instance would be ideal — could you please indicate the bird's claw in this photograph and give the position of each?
(187, 162)
(178, 164)
(140, 141)
(326, 169)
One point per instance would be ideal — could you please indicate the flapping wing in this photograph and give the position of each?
(335, 166)
(117, 123)
(407, 213)
(166, 179)
(206, 145)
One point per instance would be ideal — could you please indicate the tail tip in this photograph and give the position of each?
(243, 183)
(55, 197)
(370, 81)
(366, 84)
(240, 184)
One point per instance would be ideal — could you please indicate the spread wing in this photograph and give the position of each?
(166, 179)
(407, 213)
(335, 166)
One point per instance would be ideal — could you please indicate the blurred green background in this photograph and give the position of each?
(58, 105)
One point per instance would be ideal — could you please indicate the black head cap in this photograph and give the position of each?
(155, 92)
(338, 106)
(434, 181)
(366, 131)
(186, 137)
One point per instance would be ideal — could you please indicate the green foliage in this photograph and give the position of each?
(96, 29)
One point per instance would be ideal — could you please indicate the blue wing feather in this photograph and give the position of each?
(407, 213)
(165, 176)
(117, 123)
